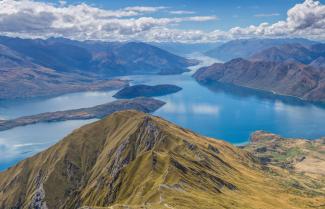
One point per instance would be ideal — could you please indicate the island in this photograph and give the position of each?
(146, 91)
(146, 105)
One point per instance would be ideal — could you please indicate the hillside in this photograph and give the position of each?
(245, 48)
(134, 160)
(283, 78)
(105, 58)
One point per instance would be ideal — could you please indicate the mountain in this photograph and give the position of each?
(109, 59)
(134, 160)
(245, 48)
(294, 53)
(183, 49)
(22, 78)
(283, 78)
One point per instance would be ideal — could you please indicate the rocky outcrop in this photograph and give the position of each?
(146, 91)
(99, 111)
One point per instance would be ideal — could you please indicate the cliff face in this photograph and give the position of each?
(285, 78)
(131, 159)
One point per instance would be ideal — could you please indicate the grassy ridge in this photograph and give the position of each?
(134, 160)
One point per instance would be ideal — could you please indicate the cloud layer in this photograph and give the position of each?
(303, 20)
(28, 18)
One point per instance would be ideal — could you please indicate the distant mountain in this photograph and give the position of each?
(245, 48)
(284, 78)
(109, 59)
(134, 160)
(184, 49)
(21, 78)
(293, 52)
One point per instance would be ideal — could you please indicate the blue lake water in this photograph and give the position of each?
(221, 112)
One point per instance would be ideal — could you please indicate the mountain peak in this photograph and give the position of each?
(135, 160)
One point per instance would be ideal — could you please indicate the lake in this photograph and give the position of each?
(223, 112)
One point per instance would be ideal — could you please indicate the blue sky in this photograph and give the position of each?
(230, 13)
(168, 20)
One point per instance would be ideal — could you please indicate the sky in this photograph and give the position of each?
(195, 21)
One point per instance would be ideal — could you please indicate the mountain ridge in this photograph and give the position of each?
(105, 58)
(131, 159)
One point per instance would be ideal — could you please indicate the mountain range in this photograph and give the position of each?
(245, 48)
(105, 58)
(135, 160)
(289, 69)
(35, 67)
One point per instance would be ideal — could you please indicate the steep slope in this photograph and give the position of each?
(245, 48)
(284, 78)
(108, 59)
(134, 160)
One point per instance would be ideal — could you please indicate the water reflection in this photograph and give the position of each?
(243, 92)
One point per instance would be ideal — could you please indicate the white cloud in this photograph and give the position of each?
(181, 12)
(28, 18)
(267, 15)
(303, 20)
(142, 9)
(37, 19)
